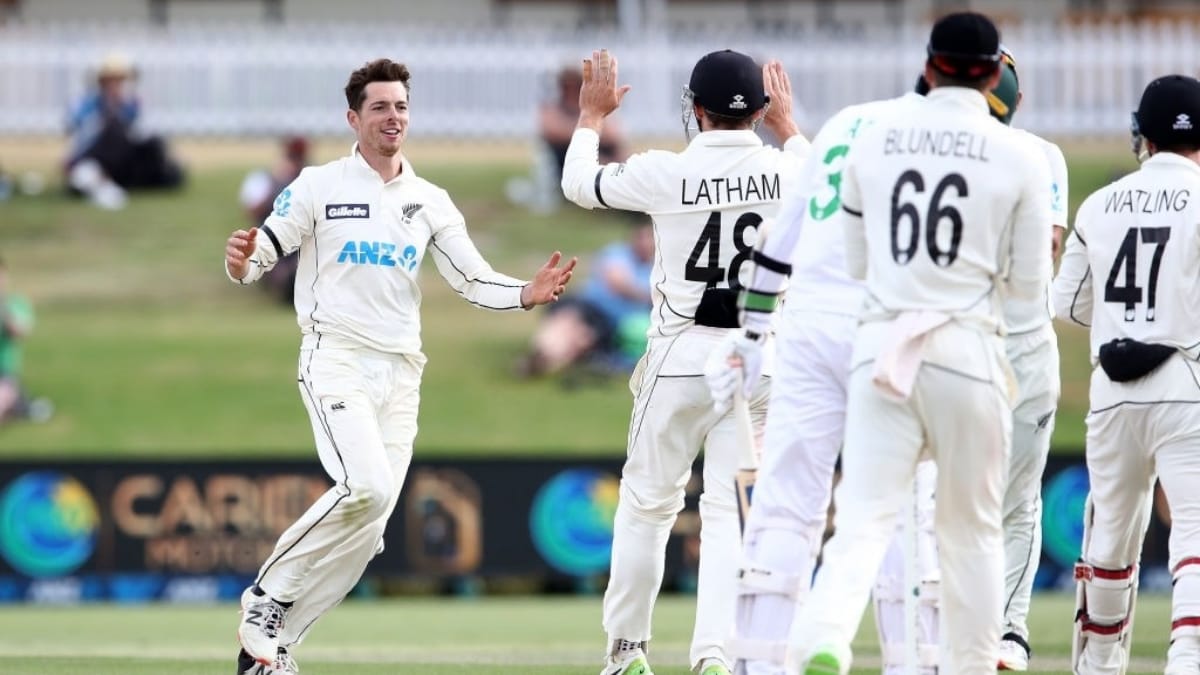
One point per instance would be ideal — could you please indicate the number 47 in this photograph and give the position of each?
(1131, 294)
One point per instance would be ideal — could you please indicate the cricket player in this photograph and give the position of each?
(362, 224)
(806, 416)
(945, 214)
(1032, 350)
(707, 204)
(1130, 273)
(805, 421)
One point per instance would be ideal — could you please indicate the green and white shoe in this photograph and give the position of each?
(828, 660)
(627, 661)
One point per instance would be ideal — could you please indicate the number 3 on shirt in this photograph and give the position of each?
(710, 240)
(830, 194)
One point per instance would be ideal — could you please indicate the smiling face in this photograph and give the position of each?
(381, 121)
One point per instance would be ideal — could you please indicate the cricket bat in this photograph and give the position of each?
(747, 471)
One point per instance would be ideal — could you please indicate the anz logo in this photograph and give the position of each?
(379, 253)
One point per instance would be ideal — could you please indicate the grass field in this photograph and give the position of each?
(492, 636)
(148, 351)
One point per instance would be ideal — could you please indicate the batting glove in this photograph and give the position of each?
(736, 361)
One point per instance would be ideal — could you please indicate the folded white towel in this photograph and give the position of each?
(900, 356)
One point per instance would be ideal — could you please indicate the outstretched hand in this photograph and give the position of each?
(549, 282)
(779, 115)
(600, 94)
(238, 249)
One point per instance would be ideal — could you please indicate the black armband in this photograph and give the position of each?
(769, 263)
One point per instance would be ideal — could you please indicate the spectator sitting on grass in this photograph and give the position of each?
(606, 321)
(109, 152)
(16, 322)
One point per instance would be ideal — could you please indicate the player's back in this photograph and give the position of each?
(819, 280)
(1142, 235)
(713, 199)
(942, 186)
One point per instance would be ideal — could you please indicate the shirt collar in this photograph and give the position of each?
(962, 97)
(406, 169)
(1170, 160)
(726, 138)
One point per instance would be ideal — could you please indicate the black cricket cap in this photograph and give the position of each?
(728, 83)
(964, 45)
(1169, 112)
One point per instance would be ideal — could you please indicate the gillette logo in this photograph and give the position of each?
(336, 211)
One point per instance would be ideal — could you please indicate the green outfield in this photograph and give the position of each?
(148, 351)
(432, 636)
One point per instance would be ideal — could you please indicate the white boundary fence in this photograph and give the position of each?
(220, 79)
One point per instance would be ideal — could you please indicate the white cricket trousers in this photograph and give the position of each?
(801, 441)
(673, 418)
(1131, 440)
(1034, 359)
(959, 413)
(363, 407)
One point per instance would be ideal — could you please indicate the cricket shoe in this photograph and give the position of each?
(712, 667)
(1014, 653)
(246, 665)
(627, 658)
(827, 660)
(262, 620)
(284, 664)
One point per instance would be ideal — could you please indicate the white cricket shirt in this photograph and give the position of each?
(806, 232)
(946, 209)
(1025, 316)
(361, 243)
(707, 202)
(1132, 264)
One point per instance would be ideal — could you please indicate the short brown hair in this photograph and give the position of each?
(379, 70)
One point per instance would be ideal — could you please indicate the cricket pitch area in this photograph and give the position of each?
(439, 636)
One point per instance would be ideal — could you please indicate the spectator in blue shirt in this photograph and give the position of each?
(109, 153)
(607, 320)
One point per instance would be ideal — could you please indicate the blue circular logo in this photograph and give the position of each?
(1063, 500)
(48, 524)
(572, 521)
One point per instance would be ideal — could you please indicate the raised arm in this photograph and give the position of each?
(631, 185)
(779, 118)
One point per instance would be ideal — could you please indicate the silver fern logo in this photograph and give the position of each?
(410, 210)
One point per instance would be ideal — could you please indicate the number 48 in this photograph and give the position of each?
(710, 239)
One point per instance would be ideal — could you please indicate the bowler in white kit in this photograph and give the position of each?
(362, 224)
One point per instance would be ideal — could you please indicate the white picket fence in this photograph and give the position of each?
(252, 80)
